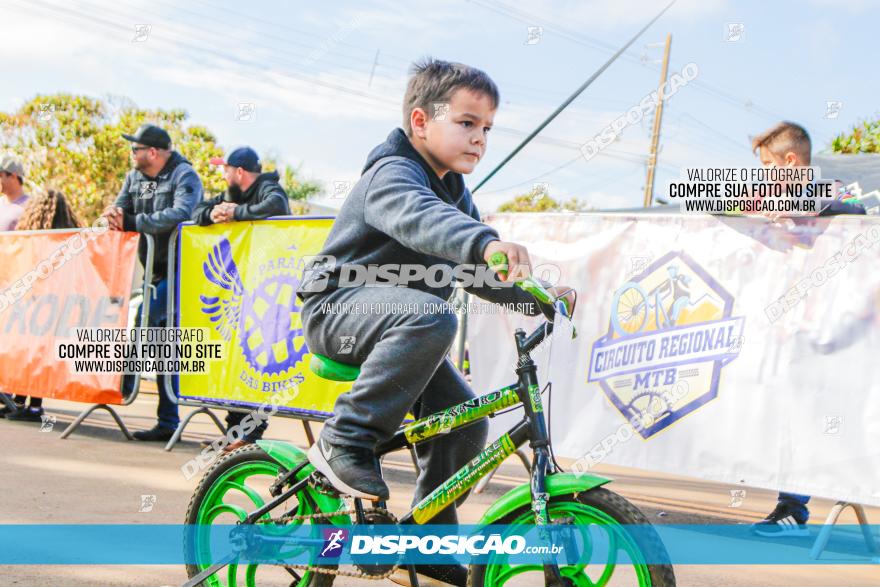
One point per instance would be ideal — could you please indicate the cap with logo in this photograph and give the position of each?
(243, 157)
(151, 136)
(11, 164)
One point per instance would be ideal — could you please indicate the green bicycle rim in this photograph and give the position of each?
(213, 506)
(498, 571)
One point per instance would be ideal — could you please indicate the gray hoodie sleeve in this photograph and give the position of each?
(399, 203)
(187, 193)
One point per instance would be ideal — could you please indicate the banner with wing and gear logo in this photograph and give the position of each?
(239, 280)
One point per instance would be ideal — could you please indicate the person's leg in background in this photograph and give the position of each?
(798, 503)
(167, 411)
(27, 413)
(234, 419)
(5, 410)
(789, 518)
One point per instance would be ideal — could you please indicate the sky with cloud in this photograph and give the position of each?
(325, 80)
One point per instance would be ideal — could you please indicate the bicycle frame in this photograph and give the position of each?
(546, 479)
(531, 428)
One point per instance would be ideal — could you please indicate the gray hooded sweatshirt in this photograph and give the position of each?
(401, 212)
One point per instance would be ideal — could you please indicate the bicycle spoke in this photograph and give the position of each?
(250, 575)
(231, 572)
(225, 508)
(252, 495)
(579, 578)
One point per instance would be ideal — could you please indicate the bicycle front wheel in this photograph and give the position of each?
(611, 555)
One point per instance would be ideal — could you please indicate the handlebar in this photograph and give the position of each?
(498, 262)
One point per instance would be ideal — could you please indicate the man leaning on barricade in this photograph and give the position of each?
(251, 195)
(158, 194)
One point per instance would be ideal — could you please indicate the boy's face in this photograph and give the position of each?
(455, 137)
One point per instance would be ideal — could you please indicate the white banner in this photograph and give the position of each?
(729, 349)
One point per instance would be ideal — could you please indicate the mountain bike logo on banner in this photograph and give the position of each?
(670, 332)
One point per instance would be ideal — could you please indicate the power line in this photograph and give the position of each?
(281, 41)
(593, 43)
(287, 28)
(250, 65)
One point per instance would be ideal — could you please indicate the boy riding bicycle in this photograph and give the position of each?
(410, 207)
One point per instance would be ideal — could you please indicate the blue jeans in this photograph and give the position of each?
(796, 502)
(167, 410)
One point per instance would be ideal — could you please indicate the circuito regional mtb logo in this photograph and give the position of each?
(670, 328)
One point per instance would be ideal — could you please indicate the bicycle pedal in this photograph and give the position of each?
(320, 482)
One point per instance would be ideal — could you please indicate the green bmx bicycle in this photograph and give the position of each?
(255, 482)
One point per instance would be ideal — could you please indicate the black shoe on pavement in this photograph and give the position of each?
(156, 433)
(433, 575)
(352, 470)
(6, 410)
(26, 415)
(783, 522)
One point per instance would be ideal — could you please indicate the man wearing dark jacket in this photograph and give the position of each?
(251, 195)
(157, 195)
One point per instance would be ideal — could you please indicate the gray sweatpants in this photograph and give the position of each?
(404, 368)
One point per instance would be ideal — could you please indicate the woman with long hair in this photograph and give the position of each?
(44, 212)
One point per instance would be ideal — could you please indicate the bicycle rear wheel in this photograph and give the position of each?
(602, 513)
(237, 484)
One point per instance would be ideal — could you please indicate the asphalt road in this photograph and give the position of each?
(96, 476)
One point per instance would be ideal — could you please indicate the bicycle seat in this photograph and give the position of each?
(327, 368)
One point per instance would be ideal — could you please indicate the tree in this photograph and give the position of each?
(539, 200)
(73, 143)
(298, 190)
(862, 139)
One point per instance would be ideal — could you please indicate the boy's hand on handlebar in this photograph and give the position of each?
(519, 264)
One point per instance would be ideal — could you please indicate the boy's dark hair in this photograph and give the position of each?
(435, 80)
(784, 137)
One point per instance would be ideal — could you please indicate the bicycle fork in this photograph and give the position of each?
(529, 393)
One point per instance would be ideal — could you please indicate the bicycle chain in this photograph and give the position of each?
(325, 515)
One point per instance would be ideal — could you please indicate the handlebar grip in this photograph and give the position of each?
(498, 262)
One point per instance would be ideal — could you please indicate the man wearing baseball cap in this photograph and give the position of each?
(251, 195)
(157, 195)
(13, 201)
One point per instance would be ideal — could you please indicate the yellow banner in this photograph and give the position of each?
(239, 279)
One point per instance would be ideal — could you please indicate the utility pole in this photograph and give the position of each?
(373, 70)
(655, 135)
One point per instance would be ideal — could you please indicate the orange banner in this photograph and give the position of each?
(52, 282)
